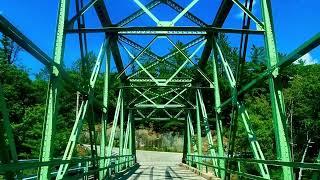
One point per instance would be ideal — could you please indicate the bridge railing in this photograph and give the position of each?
(206, 161)
(80, 167)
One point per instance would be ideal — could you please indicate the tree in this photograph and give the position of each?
(9, 49)
(303, 97)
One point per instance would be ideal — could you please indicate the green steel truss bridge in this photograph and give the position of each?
(152, 93)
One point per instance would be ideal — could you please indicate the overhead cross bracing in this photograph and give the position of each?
(155, 86)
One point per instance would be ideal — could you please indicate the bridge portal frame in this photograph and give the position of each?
(115, 33)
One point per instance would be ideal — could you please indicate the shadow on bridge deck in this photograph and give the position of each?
(157, 172)
(158, 166)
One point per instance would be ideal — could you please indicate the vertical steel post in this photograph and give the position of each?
(193, 139)
(185, 141)
(53, 91)
(208, 132)
(77, 127)
(255, 147)
(188, 139)
(114, 127)
(133, 136)
(92, 138)
(126, 142)
(121, 131)
(219, 130)
(104, 117)
(130, 138)
(199, 132)
(130, 141)
(277, 101)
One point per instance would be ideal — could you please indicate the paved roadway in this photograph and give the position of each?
(159, 166)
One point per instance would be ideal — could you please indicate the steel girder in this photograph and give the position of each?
(276, 96)
(187, 30)
(221, 16)
(105, 20)
(161, 96)
(53, 92)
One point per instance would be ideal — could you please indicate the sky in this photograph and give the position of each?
(295, 21)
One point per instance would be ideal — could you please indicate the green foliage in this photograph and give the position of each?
(29, 130)
(303, 97)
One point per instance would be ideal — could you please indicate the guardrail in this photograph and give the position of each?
(80, 167)
(193, 160)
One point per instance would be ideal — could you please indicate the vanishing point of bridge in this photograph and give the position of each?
(145, 92)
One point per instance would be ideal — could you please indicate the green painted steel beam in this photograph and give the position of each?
(303, 49)
(158, 119)
(188, 140)
(240, 174)
(174, 107)
(180, 30)
(188, 86)
(249, 14)
(135, 58)
(138, 47)
(114, 127)
(105, 21)
(188, 14)
(175, 80)
(234, 111)
(105, 112)
(159, 106)
(72, 20)
(187, 58)
(121, 126)
(219, 129)
(138, 13)
(126, 143)
(276, 96)
(220, 17)
(8, 29)
(169, 55)
(192, 136)
(32, 164)
(199, 137)
(53, 92)
(254, 144)
(183, 12)
(184, 47)
(289, 59)
(207, 131)
(305, 165)
(133, 135)
(238, 108)
(161, 96)
(85, 103)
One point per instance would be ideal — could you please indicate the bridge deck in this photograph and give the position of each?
(159, 165)
(160, 171)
